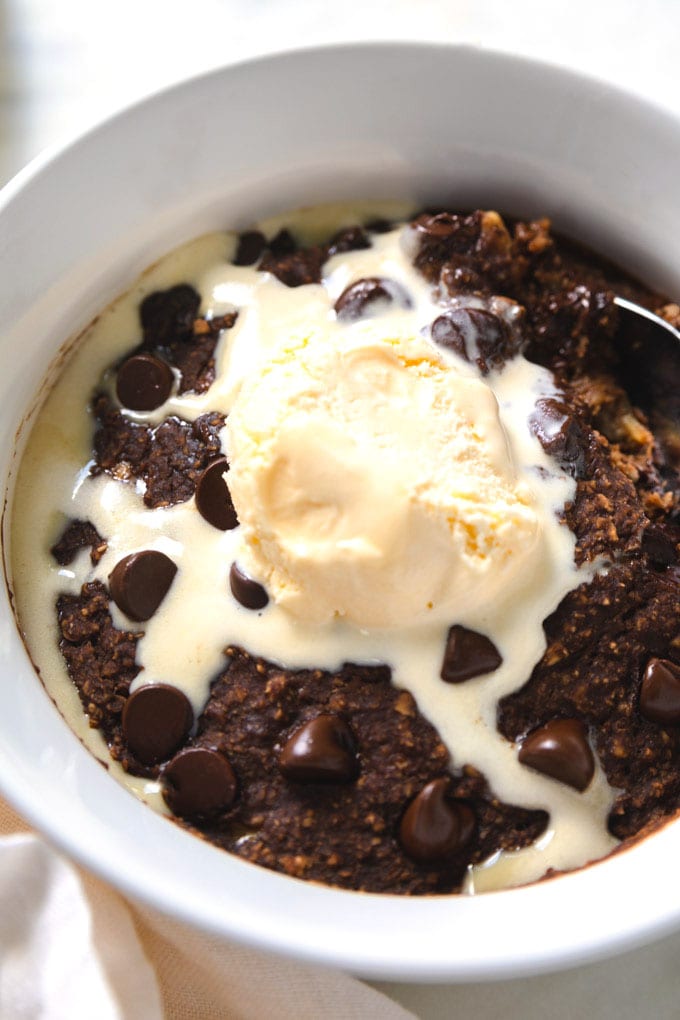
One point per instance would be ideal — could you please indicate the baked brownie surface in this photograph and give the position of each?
(343, 812)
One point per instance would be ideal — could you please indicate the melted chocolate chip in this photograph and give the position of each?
(475, 334)
(435, 826)
(660, 692)
(139, 582)
(468, 654)
(379, 226)
(249, 593)
(561, 433)
(199, 782)
(251, 244)
(438, 226)
(368, 296)
(144, 382)
(213, 498)
(446, 333)
(282, 243)
(156, 720)
(321, 751)
(560, 749)
(348, 239)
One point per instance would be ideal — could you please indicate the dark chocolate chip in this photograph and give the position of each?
(139, 582)
(251, 244)
(440, 225)
(560, 749)
(249, 593)
(468, 654)
(367, 296)
(379, 226)
(168, 315)
(282, 243)
(446, 333)
(321, 751)
(660, 692)
(144, 382)
(561, 433)
(156, 720)
(297, 268)
(199, 782)
(213, 498)
(475, 334)
(348, 239)
(435, 826)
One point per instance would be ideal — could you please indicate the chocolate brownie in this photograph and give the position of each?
(335, 775)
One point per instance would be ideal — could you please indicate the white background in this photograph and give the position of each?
(66, 63)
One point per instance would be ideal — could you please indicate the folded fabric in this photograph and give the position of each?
(72, 949)
(60, 957)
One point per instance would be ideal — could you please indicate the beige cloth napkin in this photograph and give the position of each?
(71, 948)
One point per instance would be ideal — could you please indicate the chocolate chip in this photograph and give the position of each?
(560, 749)
(475, 334)
(379, 226)
(251, 244)
(213, 498)
(440, 225)
(246, 591)
(139, 582)
(144, 382)
(660, 692)
(348, 239)
(435, 826)
(321, 751)
(561, 433)
(468, 654)
(199, 782)
(282, 243)
(447, 251)
(296, 269)
(156, 720)
(446, 333)
(368, 296)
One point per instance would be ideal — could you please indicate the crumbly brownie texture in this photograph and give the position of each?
(168, 458)
(603, 639)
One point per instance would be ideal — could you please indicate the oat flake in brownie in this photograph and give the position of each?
(334, 771)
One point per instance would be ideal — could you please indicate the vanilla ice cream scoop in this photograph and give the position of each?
(374, 482)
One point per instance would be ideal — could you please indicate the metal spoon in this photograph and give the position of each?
(649, 349)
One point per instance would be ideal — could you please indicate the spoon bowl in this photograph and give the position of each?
(649, 351)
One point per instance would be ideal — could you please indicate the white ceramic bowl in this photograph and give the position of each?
(405, 121)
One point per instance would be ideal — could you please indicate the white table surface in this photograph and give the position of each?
(66, 63)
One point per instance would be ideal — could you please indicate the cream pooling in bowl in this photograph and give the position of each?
(275, 325)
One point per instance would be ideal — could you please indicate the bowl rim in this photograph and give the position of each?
(554, 946)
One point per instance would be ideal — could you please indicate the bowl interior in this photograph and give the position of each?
(415, 122)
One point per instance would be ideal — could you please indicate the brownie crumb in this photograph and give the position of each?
(78, 535)
(168, 458)
(295, 268)
(100, 660)
(167, 316)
